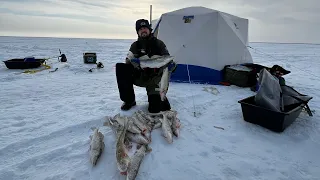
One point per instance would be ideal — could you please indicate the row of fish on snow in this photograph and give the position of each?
(136, 128)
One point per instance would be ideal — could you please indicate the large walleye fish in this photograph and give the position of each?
(137, 138)
(146, 119)
(171, 117)
(131, 126)
(113, 124)
(139, 123)
(155, 61)
(123, 160)
(164, 84)
(145, 116)
(96, 146)
(166, 129)
(136, 161)
(157, 125)
(175, 122)
(140, 115)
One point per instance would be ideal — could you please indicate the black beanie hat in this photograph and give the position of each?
(142, 23)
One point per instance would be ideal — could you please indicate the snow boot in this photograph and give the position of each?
(165, 105)
(126, 106)
(156, 105)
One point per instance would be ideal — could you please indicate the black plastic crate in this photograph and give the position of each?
(272, 120)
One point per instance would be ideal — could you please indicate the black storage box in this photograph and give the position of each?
(240, 75)
(90, 58)
(272, 120)
(22, 64)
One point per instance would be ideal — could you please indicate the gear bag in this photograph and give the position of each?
(272, 95)
(269, 92)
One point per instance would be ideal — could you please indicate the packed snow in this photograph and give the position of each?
(47, 118)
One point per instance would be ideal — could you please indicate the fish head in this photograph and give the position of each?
(142, 148)
(168, 137)
(108, 121)
(116, 116)
(176, 132)
(94, 156)
(116, 125)
(94, 160)
(96, 132)
(101, 136)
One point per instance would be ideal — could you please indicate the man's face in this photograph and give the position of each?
(144, 32)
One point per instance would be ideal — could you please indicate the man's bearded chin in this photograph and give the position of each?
(144, 34)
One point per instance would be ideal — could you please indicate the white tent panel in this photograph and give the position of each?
(231, 48)
(184, 38)
(240, 24)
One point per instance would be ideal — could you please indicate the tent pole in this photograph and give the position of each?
(151, 15)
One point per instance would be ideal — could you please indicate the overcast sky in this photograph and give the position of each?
(269, 20)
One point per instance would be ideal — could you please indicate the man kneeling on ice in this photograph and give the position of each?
(130, 73)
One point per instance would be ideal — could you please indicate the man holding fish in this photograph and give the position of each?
(147, 65)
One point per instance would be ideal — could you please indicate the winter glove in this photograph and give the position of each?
(172, 67)
(135, 62)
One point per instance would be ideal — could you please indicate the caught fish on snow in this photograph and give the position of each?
(174, 121)
(136, 161)
(145, 116)
(147, 134)
(146, 119)
(137, 129)
(139, 124)
(176, 124)
(166, 129)
(109, 121)
(139, 115)
(96, 146)
(123, 160)
(157, 125)
(137, 138)
(171, 114)
(131, 126)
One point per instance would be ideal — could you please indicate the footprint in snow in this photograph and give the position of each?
(204, 154)
(217, 149)
(231, 172)
(20, 124)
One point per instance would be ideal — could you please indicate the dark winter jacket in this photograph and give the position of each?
(151, 46)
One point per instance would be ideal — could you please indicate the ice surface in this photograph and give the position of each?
(46, 119)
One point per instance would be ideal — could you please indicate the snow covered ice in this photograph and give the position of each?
(47, 118)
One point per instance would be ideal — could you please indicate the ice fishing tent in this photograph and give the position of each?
(203, 41)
